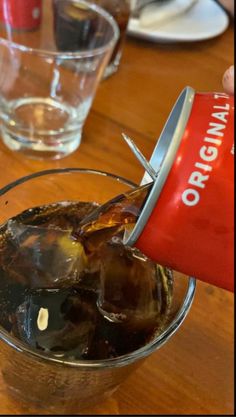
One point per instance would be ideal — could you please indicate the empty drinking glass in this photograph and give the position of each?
(49, 75)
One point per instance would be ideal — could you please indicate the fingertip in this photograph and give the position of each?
(228, 80)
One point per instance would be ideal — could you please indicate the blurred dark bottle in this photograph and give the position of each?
(74, 25)
(120, 10)
(73, 22)
(21, 14)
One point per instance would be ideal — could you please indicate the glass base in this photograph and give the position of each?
(66, 405)
(40, 149)
(110, 70)
(42, 128)
(113, 67)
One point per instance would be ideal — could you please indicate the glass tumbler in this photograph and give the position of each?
(49, 75)
(45, 383)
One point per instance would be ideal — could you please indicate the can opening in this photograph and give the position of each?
(163, 157)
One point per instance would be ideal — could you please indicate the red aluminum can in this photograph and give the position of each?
(187, 222)
(21, 14)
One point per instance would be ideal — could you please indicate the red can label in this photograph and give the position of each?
(21, 14)
(191, 228)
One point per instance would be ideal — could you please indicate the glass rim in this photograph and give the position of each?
(69, 170)
(77, 54)
(119, 361)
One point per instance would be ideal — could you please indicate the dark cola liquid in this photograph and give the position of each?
(118, 215)
(73, 296)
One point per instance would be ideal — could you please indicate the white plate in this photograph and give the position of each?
(205, 20)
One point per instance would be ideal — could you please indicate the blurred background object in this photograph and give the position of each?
(120, 10)
(178, 20)
(21, 15)
(139, 4)
(159, 12)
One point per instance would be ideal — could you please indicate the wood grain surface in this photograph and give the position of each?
(193, 372)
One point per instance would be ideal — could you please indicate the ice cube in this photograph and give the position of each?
(130, 288)
(42, 257)
(57, 321)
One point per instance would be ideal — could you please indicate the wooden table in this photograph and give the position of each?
(193, 372)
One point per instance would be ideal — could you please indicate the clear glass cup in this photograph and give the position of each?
(49, 76)
(120, 10)
(47, 383)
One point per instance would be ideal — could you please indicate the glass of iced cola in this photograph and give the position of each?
(76, 317)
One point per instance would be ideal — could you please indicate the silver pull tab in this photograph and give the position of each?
(141, 158)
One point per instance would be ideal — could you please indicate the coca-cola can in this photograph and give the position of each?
(21, 14)
(187, 222)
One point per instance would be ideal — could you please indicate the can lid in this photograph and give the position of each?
(163, 158)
